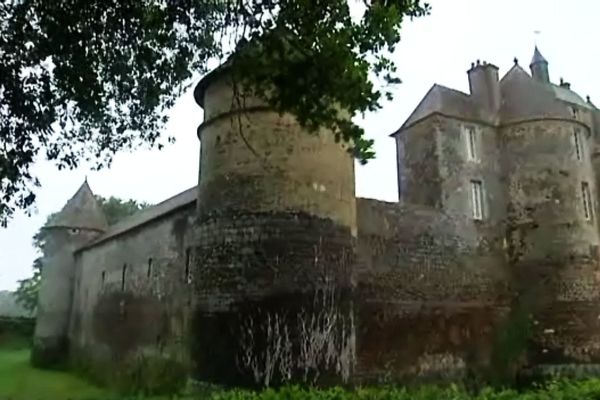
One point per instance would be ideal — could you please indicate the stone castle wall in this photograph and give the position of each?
(427, 299)
(133, 295)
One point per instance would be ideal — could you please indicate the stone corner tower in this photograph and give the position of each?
(80, 220)
(276, 225)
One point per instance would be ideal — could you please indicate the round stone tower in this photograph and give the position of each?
(552, 237)
(77, 223)
(275, 245)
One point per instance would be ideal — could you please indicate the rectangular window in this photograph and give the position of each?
(149, 272)
(477, 199)
(578, 144)
(587, 200)
(123, 276)
(103, 276)
(188, 272)
(574, 113)
(471, 142)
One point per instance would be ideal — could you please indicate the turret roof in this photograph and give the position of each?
(82, 211)
(537, 57)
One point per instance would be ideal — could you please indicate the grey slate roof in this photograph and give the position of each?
(443, 100)
(537, 57)
(525, 97)
(176, 202)
(570, 96)
(82, 211)
(522, 97)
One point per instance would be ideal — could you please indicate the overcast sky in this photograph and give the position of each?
(435, 49)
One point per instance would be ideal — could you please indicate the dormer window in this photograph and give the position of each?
(74, 231)
(470, 137)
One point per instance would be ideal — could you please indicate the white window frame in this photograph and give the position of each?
(578, 143)
(470, 135)
(586, 200)
(477, 199)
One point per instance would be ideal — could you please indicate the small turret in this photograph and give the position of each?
(80, 221)
(539, 67)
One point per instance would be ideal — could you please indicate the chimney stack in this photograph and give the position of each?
(484, 86)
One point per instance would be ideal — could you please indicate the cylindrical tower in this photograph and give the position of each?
(552, 236)
(277, 225)
(77, 223)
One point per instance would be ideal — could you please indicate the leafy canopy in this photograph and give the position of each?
(83, 79)
(114, 210)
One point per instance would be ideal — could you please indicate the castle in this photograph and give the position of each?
(272, 270)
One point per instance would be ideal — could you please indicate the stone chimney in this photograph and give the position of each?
(484, 86)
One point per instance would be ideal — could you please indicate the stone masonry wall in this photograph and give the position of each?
(133, 296)
(552, 246)
(427, 298)
(418, 169)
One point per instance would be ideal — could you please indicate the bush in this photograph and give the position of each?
(556, 390)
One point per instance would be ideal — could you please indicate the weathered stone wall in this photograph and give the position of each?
(276, 225)
(419, 179)
(133, 296)
(457, 171)
(428, 298)
(552, 247)
(50, 343)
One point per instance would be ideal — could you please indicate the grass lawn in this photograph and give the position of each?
(19, 381)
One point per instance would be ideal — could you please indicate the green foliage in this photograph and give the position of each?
(83, 79)
(142, 375)
(510, 344)
(19, 381)
(113, 208)
(557, 390)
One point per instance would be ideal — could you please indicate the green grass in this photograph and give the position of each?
(19, 381)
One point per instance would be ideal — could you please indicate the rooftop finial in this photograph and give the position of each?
(536, 34)
(516, 61)
(587, 98)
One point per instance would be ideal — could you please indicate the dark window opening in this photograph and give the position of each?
(188, 259)
(123, 275)
(103, 275)
(149, 272)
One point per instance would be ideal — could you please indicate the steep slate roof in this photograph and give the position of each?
(82, 211)
(525, 97)
(537, 57)
(142, 217)
(570, 96)
(522, 97)
(443, 100)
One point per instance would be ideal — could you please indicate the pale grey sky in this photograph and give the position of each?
(435, 49)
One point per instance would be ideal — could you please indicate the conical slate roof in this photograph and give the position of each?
(82, 211)
(537, 57)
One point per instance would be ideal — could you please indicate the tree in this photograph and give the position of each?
(114, 209)
(83, 79)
